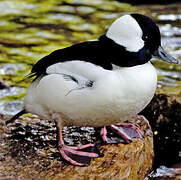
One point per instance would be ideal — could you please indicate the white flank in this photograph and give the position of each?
(114, 96)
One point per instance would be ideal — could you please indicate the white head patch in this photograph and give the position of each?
(126, 31)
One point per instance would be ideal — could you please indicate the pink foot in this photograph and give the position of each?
(104, 134)
(126, 131)
(78, 156)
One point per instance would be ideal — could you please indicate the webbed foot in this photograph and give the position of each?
(79, 156)
(125, 130)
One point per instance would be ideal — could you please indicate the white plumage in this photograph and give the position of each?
(126, 31)
(115, 95)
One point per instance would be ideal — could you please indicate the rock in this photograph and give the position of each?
(28, 150)
(164, 114)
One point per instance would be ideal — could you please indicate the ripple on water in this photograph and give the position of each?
(64, 17)
(12, 91)
(10, 107)
(85, 10)
(170, 17)
(164, 172)
(11, 68)
(8, 8)
(171, 41)
(173, 46)
(169, 30)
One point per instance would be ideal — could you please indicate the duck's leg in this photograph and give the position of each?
(79, 156)
(125, 130)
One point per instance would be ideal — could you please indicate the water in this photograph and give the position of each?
(32, 29)
(164, 173)
(169, 20)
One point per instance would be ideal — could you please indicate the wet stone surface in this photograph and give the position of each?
(29, 134)
(28, 150)
(32, 142)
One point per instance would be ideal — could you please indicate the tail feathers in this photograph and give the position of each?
(16, 116)
(26, 77)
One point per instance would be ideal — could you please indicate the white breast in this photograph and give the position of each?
(139, 85)
(115, 95)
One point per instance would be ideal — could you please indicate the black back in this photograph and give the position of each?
(103, 52)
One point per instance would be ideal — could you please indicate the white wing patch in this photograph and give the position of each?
(80, 68)
(79, 72)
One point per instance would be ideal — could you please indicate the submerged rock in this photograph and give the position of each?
(28, 151)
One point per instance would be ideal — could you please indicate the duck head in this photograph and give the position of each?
(139, 34)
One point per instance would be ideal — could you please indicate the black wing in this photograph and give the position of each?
(103, 52)
(92, 51)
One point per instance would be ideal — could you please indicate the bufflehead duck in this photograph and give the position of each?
(98, 83)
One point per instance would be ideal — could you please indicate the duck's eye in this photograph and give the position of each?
(145, 38)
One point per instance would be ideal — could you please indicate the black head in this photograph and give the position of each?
(151, 33)
(139, 34)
